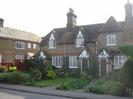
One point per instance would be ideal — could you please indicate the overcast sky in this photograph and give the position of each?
(41, 16)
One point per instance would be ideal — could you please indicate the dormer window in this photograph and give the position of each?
(80, 40)
(52, 41)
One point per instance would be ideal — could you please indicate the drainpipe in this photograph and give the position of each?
(96, 48)
(81, 61)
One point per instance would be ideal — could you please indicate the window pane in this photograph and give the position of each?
(111, 39)
(72, 61)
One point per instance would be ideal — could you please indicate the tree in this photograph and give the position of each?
(126, 74)
(127, 50)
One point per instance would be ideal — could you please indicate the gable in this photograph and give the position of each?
(52, 37)
(80, 34)
(103, 54)
(111, 26)
(84, 54)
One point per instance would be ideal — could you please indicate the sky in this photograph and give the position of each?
(41, 16)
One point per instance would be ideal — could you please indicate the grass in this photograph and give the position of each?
(53, 82)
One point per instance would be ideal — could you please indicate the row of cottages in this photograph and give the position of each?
(16, 44)
(82, 44)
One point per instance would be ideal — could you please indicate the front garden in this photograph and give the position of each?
(118, 82)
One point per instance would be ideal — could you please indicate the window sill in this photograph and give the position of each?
(117, 67)
(73, 67)
(79, 46)
(20, 48)
(111, 44)
(51, 47)
(58, 66)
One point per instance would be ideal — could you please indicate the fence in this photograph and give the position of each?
(19, 64)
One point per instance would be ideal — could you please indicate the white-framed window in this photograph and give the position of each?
(52, 41)
(73, 62)
(19, 57)
(29, 45)
(119, 61)
(111, 40)
(20, 45)
(80, 40)
(57, 61)
(34, 46)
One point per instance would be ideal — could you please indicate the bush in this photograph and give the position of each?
(108, 87)
(99, 87)
(36, 74)
(78, 84)
(17, 78)
(85, 76)
(118, 89)
(3, 77)
(63, 86)
(12, 68)
(3, 69)
(126, 74)
(51, 74)
(74, 84)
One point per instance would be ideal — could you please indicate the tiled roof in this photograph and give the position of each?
(90, 32)
(111, 26)
(63, 35)
(18, 34)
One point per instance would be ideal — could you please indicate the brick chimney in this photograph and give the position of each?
(128, 16)
(1, 22)
(71, 19)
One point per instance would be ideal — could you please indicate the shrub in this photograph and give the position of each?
(12, 68)
(49, 67)
(51, 74)
(63, 86)
(118, 89)
(85, 76)
(99, 87)
(126, 73)
(3, 69)
(36, 74)
(108, 87)
(3, 77)
(17, 78)
(73, 84)
(78, 83)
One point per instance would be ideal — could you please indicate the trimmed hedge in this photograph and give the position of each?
(14, 77)
(108, 87)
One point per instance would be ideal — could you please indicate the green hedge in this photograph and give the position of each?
(14, 77)
(108, 87)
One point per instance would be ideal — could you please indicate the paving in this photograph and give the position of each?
(59, 93)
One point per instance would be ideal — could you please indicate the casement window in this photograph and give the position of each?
(20, 45)
(34, 46)
(19, 57)
(57, 61)
(80, 40)
(119, 61)
(29, 45)
(52, 42)
(111, 40)
(73, 62)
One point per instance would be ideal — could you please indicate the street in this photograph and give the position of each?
(9, 94)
